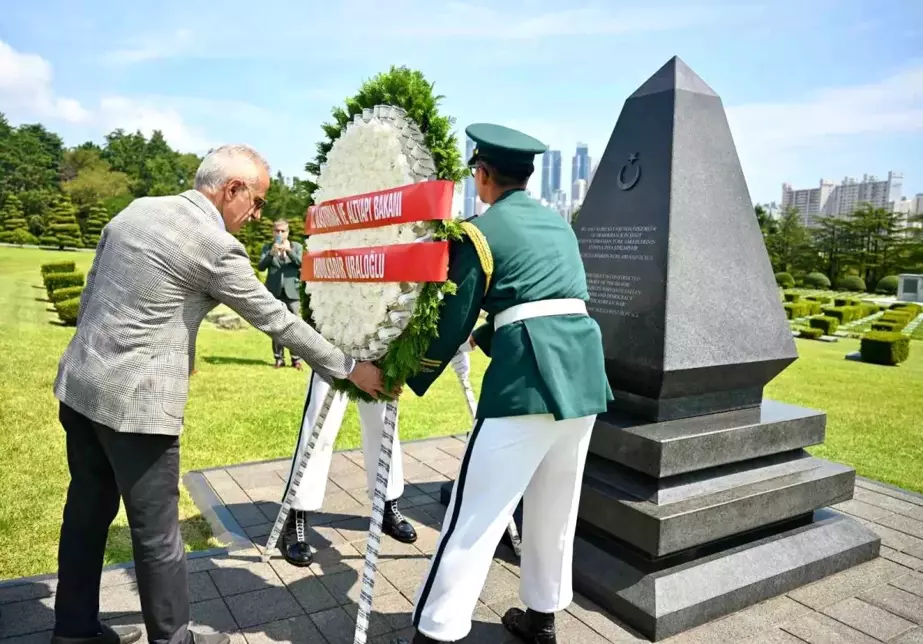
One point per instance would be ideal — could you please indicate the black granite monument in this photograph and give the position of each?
(698, 497)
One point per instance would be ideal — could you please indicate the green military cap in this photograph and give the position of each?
(503, 146)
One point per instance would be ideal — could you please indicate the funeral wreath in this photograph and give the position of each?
(375, 270)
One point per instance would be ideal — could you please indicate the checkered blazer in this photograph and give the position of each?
(161, 265)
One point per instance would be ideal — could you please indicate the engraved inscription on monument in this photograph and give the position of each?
(610, 292)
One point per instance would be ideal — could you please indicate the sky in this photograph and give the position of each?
(812, 88)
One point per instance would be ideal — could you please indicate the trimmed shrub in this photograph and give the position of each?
(54, 281)
(827, 324)
(883, 347)
(887, 326)
(65, 293)
(67, 311)
(811, 333)
(792, 297)
(813, 307)
(914, 308)
(844, 314)
(785, 280)
(58, 267)
(887, 285)
(821, 299)
(852, 283)
(817, 280)
(21, 238)
(795, 310)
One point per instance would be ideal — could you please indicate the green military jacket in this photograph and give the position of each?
(545, 365)
(284, 277)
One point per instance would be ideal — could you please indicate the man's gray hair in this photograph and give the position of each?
(229, 162)
(280, 221)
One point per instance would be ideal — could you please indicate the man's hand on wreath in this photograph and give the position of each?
(368, 378)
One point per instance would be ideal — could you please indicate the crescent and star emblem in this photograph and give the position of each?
(628, 185)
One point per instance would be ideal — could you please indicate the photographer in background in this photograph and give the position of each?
(283, 259)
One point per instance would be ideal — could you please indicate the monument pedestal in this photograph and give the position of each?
(684, 521)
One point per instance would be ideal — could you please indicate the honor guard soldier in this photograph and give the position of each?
(540, 395)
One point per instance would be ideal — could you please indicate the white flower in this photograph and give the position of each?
(379, 150)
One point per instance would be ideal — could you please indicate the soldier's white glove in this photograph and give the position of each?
(461, 364)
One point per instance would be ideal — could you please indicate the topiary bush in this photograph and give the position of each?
(887, 285)
(795, 310)
(821, 299)
(65, 293)
(813, 307)
(67, 311)
(58, 267)
(884, 347)
(785, 280)
(852, 283)
(54, 281)
(887, 326)
(827, 324)
(817, 280)
(811, 333)
(792, 297)
(914, 308)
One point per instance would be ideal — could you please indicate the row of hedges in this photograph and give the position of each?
(64, 285)
(801, 309)
(886, 285)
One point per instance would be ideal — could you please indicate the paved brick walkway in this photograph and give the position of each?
(881, 601)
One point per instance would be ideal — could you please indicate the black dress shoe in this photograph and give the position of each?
(107, 635)
(295, 548)
(530, 626)
(395, 525)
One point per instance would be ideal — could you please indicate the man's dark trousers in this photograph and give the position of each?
(277, 349)
(142, 470)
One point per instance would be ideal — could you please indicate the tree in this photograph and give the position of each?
(62, 229)
(788, 246)
(93, 180)
(829, 240)
(12, 224)
(96, 220)
(30, 157)
(875, 242)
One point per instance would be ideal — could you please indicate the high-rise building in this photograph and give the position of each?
(580, 167)
(579, 192)
(470, 193)
(832, 200)
(551, 173)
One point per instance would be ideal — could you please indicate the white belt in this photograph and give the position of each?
(541, 308)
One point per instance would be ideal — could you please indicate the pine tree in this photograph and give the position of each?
(13, 226)
(96, 220)
(62, 229)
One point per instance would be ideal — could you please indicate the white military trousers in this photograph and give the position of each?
(534, 458)
(310, 494)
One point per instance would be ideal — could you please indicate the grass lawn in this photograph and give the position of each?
(241, 409)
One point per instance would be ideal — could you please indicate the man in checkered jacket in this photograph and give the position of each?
(161, 265)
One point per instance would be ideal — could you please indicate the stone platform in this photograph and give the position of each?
(232, 591)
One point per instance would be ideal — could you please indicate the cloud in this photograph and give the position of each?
(25, 86)
(27, 94)
(892, 105)
(170, 45)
